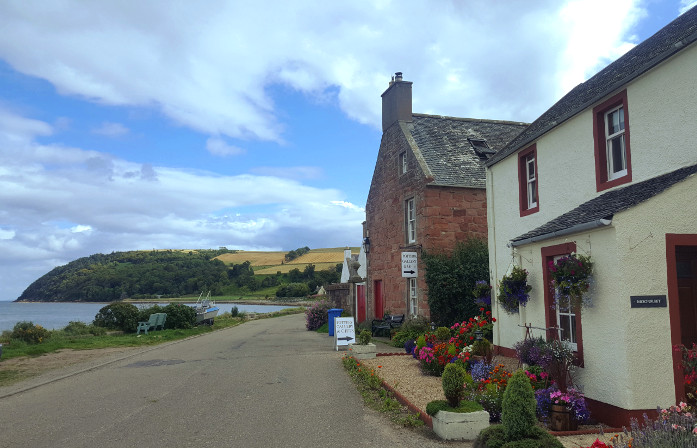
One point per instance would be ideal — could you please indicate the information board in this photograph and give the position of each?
(344, 331)
(409, 268)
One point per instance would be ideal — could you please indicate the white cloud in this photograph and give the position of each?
(209, 67)
(686, 5)
(111, 129)
(218, 147)
(67, 203)
(291, 172)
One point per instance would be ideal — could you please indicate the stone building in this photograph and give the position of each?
(427, 193)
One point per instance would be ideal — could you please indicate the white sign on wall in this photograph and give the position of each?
(344, 331)
(409, 268)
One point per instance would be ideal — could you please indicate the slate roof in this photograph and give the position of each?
(674, 37)
(452, 159)
(614, 201)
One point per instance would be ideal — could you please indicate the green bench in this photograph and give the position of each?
(155, 322)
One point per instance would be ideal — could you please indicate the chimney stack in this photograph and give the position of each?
(396, 102)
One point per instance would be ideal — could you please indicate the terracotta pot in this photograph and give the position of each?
(561, 418)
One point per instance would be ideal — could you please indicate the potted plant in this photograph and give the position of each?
(453, 418)
(571, 279)
(513, 290)
(363, 348)
(567, 410)
(482, 293)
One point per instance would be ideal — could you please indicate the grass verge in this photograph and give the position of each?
(376, 397)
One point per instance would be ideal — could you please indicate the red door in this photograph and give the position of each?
(360, 302)
(378, 299)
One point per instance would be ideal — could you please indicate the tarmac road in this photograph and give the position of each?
(266, 383)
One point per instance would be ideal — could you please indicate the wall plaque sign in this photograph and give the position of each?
(648, 301)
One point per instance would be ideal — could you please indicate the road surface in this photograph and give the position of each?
(266, 383)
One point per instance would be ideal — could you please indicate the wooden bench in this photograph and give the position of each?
(387, 323)
(155, 322)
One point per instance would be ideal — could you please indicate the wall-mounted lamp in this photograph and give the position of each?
(366, 244)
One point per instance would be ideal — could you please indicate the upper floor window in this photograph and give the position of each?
(611, 134)
(403, 162)
(410, 217)
(527, 181)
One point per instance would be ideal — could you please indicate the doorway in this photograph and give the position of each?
(377, 294)
(681, 258)
(360, 302)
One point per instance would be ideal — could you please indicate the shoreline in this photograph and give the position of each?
(301, 303)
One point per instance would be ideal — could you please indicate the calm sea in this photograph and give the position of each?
(58, 315)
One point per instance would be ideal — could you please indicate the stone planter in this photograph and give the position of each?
(459, 426)
(363, 351)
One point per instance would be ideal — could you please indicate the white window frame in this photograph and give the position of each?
(570, 316)
(403, 162)
(609, 138)
(531, 180)
(413, 297)
(410, 215)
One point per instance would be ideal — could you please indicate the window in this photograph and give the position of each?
(403, 162)
(566, 318)
(410, 221)
(566, 321)
(413, 298)
(611, 134)
(528, 181)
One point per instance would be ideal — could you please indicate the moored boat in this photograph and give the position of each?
(206, 310)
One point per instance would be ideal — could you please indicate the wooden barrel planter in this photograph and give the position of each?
(561, 418)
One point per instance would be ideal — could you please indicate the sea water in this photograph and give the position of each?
(52, 315)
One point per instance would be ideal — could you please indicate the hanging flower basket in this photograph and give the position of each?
(482, 293)
(514, 289)
(571, 276)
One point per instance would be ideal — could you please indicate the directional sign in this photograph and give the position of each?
(409, 268)
(344, 331)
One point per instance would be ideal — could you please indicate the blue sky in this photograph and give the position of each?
(139, 125)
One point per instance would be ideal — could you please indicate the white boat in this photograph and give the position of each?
(205, 309)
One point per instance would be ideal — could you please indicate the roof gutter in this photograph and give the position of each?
(574, 229)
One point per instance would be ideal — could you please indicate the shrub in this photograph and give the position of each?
(28, 332)
(118, 316)
(518, 407)
(293, 290)
(77, 328)
(234, 311)
(443, 334)
(179, 316)
(144, 313)
(410, 330)
(450, 279)
(482, 348)
(317, 315)
(364, 337)
(454, 384)
(673, 428)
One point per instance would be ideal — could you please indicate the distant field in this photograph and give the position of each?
(284, 268)
(274, 260)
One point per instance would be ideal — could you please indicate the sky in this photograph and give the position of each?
(138, 125)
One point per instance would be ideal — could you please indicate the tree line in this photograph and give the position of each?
(163, 273)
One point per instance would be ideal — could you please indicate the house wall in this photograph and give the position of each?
(627, 352)
(444, 215)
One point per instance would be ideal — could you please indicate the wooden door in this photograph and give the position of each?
(360, 303)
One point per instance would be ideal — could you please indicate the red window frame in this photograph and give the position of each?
(600, 145)
(523, 181)
(548, 254)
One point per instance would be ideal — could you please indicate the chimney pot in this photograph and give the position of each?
(398, 76)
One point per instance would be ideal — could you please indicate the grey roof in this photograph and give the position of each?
(672, 38)
(452, 159)
(614, 201)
